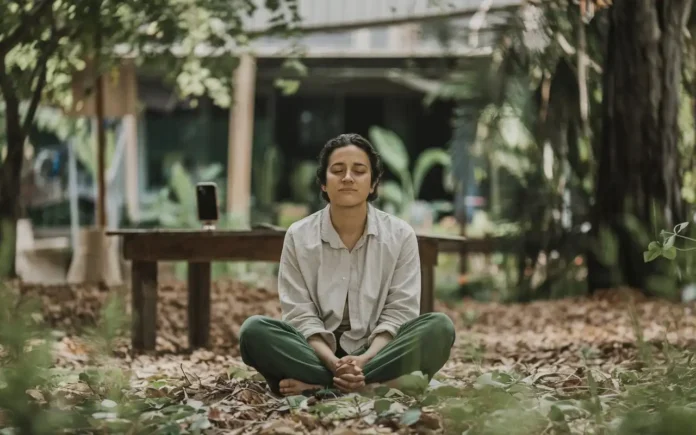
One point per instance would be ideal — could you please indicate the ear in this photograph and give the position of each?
(323, 188)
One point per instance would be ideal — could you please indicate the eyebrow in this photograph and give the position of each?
(343, 164)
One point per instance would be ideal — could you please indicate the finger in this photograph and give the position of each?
(351, 365)
(352, 378)
(350, 386)
(348, 369)
(342, 383)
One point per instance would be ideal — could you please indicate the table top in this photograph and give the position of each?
(178, 232)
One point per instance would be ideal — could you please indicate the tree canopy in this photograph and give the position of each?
(44, 42)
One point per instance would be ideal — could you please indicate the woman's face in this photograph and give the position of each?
(348, 177)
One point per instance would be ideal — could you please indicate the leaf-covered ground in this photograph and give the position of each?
(614, 363)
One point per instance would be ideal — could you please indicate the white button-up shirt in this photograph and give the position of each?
(380, 278)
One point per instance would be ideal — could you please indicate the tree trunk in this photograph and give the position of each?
(638, 173)
(10, 179)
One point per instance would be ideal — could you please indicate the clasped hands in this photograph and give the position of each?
(348, 374)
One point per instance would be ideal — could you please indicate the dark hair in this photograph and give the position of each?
(344, 140)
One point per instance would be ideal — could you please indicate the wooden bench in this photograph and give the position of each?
(145, 248)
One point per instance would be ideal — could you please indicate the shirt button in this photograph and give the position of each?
(344, 277)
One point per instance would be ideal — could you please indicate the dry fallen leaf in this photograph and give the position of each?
(550, 343)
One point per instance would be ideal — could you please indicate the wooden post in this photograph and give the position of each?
(199, 304)
(130, 124)
(241, 133)
(428, 251)
(144, 305)
(101, 134)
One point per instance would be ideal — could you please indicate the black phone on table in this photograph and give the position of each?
(207, 203)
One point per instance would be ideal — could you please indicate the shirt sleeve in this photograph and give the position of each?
(403, 299)
(298, 309)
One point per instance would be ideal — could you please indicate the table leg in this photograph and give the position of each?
(144, 305)
(199, 304)
(427, 288)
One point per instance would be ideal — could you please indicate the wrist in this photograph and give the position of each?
(330, 362)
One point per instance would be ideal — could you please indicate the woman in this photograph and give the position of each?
(349, 285)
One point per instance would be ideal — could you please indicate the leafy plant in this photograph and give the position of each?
(30, 387)
(46, 46)
(267, 176)
(667, 247)
(302, 181)
(395, 155)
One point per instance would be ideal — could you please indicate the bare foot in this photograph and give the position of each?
(291, 387)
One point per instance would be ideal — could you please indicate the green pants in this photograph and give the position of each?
(278, 351)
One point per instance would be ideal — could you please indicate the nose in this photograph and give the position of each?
(348, 177)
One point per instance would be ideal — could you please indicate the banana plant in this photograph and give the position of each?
(302, 181)
(401, 195)
(267, 176)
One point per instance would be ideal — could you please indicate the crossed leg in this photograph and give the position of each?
(290, 366)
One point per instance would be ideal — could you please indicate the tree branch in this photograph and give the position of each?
(5, 85)
(36, 96)
(40, 71)
(28, 21)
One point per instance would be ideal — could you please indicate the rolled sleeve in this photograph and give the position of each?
(296, 304)
(403, 299)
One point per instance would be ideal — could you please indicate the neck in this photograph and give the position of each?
(349, 220)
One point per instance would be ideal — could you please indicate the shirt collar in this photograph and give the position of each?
(329, 234)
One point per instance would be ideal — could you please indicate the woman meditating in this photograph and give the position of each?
(349, 283)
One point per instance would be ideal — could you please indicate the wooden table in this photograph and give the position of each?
(145, 248)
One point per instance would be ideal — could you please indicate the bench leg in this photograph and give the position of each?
(199, 304)
(427, 288)
(144, 305)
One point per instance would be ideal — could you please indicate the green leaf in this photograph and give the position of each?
(494, 379)
(210, 173)
(411, 417)
(445, 390)
(650, 255)
(425, 162)
(381, 390)
(678, 228)
(670, 253)
(287, 86)
(183, 187)
(394, 392)
(391, 149)
(429, 400)
(324, 409)
(442, 206)
(382, 405)
(295, 401)
(556, 414)
(412, 384)
(238, 372)
(391, 192)
(669, 242)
